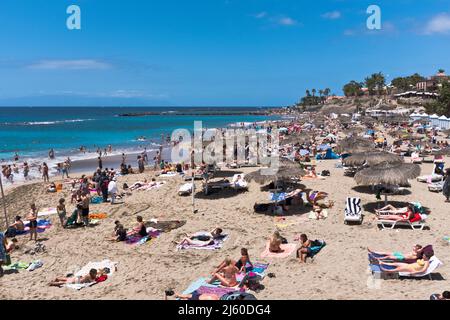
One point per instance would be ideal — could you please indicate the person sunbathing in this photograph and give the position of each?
(138, 185)
(243, 263)
(202, 238)
(51, 188)
(275, 243)
(420, 266)
(139, 229)
(18, 227)
(60, 281)
(391, 210)
(227, 276)
(305, 248)
(413, 255)
(319, 212)
(409, 215)
(312, 173)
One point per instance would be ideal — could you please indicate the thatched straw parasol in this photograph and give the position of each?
(371, 158)
(286, 172)
(354, 145)
(388, 174)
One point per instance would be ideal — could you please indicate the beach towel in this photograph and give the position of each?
(43, 224)
(288, 248)
(47, 212)
(98, 216)
(17, 266)
(96, 200)
(92, 265)
(202, 286)
(139, 240)
(259, 269)
(216, 245)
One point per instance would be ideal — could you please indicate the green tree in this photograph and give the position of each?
(375, 83)
(352, 89)
(442, 105)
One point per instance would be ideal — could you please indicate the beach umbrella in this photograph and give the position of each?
(354, 145)
(286, 172)
(371, 158)
(388, 174)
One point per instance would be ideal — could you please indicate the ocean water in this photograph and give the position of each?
(32, 132)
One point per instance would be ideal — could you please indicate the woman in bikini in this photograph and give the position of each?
(409, 215)
(275, 243)
(202, 238)
(227, 276)
(243, 264)
(305, 248)
(420, 266)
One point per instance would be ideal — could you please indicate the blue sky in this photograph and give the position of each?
(209, 52)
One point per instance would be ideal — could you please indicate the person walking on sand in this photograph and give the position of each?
(65, 169)
(446, 187)
(32, 217)
(45, 172)
(112, 190)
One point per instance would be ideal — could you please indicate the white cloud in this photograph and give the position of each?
(286, 21)
(438, 24)
(333, 15)
(260, 15)
(82, 64)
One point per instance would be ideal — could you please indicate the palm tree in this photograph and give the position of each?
(308, 94)
(314, 92)
(326, 92)
(441, 71)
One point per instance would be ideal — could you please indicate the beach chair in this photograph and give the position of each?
(391, 224)
(380, 274)
(353, 211)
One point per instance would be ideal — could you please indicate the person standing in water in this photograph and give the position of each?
(51, 154)
(26, 171)
(45, 172)
(100, 163)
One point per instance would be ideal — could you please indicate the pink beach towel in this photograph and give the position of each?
(288, 250)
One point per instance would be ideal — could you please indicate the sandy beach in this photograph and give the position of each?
(340, 270)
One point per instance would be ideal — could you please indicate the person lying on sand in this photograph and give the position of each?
(60, 281)
(227, 276)
(319, 212)
(243, 264)
(202, 238)
(398, 255)
(275, 243)
(420, 266)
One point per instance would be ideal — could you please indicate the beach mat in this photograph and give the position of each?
(218, 243)
(47, 212)
(288, 250)
(138, 240)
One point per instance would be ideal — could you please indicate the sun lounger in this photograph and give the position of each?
(353, 211)
(391, 224)
(436, 186)
(434, 264)
(430, 178)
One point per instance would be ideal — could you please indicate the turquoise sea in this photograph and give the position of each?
(32, 131)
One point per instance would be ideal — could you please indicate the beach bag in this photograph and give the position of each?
(261, 208)
(238, 296)
(325, 173)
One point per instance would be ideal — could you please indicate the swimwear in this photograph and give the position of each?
(415, 218)
(399, 256)
(33, 224)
